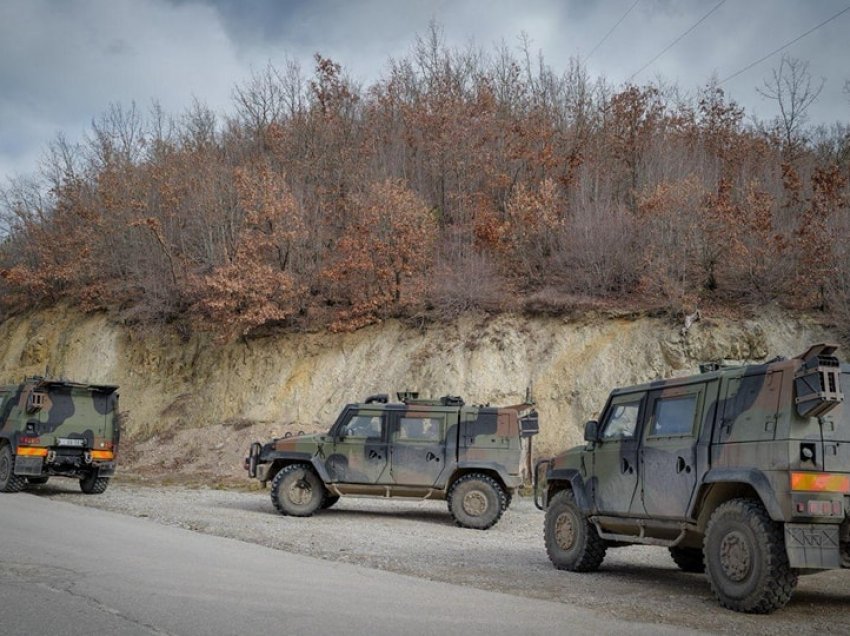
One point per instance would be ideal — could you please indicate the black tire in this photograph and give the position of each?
(9, 481)
(297, 491)
(572, 542)
(688, 559)
(38, 481)
(745, 559)
(476, 501)
(93, 485)
(329, 501)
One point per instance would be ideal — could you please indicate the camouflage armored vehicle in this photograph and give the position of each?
(52, 427)
(431, 449)
(742, 472)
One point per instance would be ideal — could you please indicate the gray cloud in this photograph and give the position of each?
(62, 63)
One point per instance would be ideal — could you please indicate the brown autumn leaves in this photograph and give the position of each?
(461, 181)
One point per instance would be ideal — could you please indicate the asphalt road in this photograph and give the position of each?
(75, 570)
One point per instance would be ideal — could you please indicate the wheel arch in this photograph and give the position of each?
(720, 486)
(480, 470)
(568, 479)
(282, 460)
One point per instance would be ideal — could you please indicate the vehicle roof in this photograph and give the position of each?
(725, 370)
(49, 383)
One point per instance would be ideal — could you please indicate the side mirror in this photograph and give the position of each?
(591, 431)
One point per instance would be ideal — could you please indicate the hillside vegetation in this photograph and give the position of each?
(460, 181)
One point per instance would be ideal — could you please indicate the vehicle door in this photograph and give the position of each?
(359, 448)
(417, 448)
(668, 453)
(615, 460)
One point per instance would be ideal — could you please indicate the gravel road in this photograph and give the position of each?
(419, 538)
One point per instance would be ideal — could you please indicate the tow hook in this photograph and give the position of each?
(87, 457)
(51, 457)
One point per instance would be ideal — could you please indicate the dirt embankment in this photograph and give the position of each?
(206, 402)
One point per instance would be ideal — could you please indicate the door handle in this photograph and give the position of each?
(431, 457)
(682, 465)
(626, 467)
(374, 455)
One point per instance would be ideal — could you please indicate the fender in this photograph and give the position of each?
(750, 476)
(576, 481)
(305, 458)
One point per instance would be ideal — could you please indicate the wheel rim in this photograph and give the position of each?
(300, 492)
(735, 557)
(475, 503)
(565, 531)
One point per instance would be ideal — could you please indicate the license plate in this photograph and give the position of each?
(69, 441)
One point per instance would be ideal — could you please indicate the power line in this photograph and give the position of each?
(784, 46)
(611, 30)
(676, 41)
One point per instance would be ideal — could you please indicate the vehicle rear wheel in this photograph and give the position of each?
(688, 559)
(572, 542)
(476, 501)
(91, 484)
(297, 491)
(745, 559)
(9, 481)
(38, 481)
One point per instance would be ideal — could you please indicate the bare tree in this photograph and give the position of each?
(792, 87)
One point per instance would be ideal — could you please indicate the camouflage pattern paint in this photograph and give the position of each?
(67, 420)
(702, 440)
(414, 448)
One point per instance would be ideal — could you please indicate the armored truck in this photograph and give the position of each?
(57, 428)
(438, 449)
(742, 472)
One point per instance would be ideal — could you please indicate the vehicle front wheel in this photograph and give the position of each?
(476, 501)
(9, 481)
(745, 559)
(297, 491)
(572, 542)
(93, 485)
(688, 559)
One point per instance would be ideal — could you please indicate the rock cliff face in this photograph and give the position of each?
(300, 381)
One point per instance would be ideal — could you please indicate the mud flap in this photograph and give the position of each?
(29, 466)
(812, 546)
(106, 469)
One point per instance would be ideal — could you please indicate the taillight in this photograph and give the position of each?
(102, 455)
(820, 482)
(32, 451)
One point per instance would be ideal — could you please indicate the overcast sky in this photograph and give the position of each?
(62, 62)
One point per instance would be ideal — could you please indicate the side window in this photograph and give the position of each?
(364, 426)
(419, 429)
(674, 416)
(622, 420)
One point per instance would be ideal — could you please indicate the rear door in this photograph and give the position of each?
(836, 431)
(417, 447)
(668, 455)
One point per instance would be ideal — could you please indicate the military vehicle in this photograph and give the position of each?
(54, 427)
(432, 449)
(742, 472)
